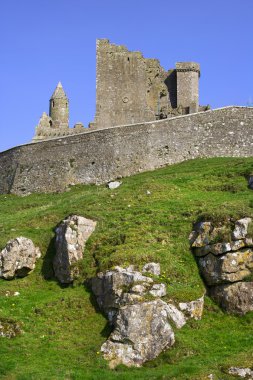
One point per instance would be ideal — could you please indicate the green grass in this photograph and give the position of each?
(63, 330)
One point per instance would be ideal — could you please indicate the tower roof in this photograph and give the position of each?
(59, 92)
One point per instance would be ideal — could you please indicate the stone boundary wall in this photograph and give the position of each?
(102, 155)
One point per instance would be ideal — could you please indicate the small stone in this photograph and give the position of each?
(158, 290)
(114, 185)
(241, 228)
(16, 294)
(176, 316)
(153, 268)
(9, 328)
(202, 233)
(241, 372)
(193, 309)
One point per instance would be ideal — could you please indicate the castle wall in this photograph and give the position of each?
(99, 156)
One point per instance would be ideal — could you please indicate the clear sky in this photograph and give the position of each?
(44, 41)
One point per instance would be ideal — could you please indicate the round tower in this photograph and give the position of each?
(59, 108)
(188, 74)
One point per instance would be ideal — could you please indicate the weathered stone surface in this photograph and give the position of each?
(241, 228)
(193, 309)
(141, 333)
(119, 287)
(153, 268)
(18, 258)
(71, 236)
(114, 185)
(176, 316)
(220, 248)
(245, 373)
(158, 290)
(225, 262)
(234, 298)
(9, 328)
(232, 267)
(54, 164)
(238, 244)
(201, 236)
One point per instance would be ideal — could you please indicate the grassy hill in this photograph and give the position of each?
(63, 330)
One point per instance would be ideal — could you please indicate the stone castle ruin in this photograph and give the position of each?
(146, 118)
(130, 89)
(57, 123)
(133, 89)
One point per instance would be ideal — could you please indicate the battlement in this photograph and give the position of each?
(188, 66)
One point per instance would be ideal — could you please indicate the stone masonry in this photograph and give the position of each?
(98, 156)
(132, 89)
(57, 123)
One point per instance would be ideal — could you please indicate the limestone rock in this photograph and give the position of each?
(9, 328)
(241, 228)
(193, 309)
(175, 316)
(234, 298)
(245, 373)
(18, 258)
(158, 290)
(232, 267)
(201, 235)
(71, 236)
(142, 332)
(153, 268)
(114, 185)
(119, 287)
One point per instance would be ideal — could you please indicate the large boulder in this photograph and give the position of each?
(141, 333)
(71, 236)
(225, 258)
(232, 267)
(234, 298)
(119, 287)
(142, 327)
(18, 258)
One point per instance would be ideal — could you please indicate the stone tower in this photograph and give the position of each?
(188, 74)
(59, 108)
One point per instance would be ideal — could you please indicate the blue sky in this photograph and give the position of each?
(44, 41)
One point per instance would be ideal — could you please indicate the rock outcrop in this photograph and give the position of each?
(225, 258)
(142, 331)
(71, 237)
(18, 258)
(142, 322)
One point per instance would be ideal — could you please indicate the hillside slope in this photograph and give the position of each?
(148, 218)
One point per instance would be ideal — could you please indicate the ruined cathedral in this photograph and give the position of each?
(130, 89)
